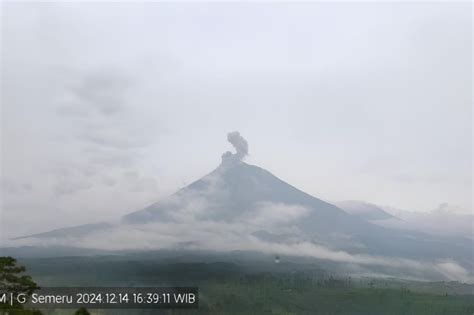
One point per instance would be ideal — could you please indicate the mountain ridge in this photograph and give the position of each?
(246, 207)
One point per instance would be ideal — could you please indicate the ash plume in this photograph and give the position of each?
(240, 145)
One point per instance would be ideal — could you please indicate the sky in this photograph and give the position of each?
(108, 107)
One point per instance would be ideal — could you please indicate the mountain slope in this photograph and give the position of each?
(232, 190)
(364, 210)
(244, 207)
(237, 191)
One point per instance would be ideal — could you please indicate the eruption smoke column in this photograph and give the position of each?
(240, 144)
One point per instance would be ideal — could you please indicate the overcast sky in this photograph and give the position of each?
(108, 107)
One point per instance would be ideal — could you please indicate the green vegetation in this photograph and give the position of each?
(269, 294)
(255, 287)
(13, 281)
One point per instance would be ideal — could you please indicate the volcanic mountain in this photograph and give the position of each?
(245, 201)
(238, 192)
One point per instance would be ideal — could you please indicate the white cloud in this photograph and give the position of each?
(269, 214)
(191, 233)
(454, 271)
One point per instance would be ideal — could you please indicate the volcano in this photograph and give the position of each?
(260, 206)
(236, 191)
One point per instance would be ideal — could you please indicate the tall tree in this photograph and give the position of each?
(14, 281)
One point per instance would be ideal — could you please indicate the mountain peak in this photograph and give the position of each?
(232, 190)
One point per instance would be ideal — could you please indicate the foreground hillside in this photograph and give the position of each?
(255, 287)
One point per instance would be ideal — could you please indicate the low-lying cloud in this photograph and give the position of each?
(210, 235)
